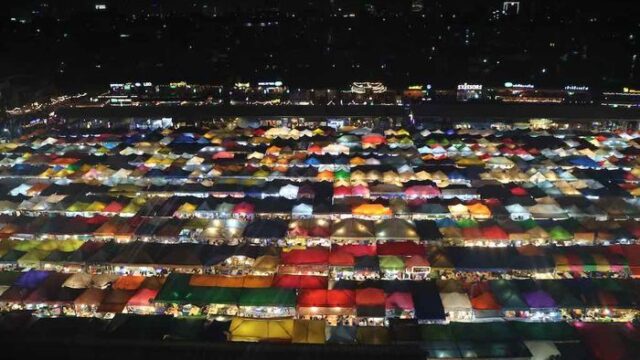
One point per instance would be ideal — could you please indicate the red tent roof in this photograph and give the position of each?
(373, 139)
(341, 258)
(114, 207)
(243, 208)
(416, 260)
(96, 220)
(632, 254)
(519, 191)
(326, 298)
(603, 341)
(300, 281)
(494, 232)
(471, 233)
(370, 297)
(309, 256)
(223, 155)
(355, 250)
(401, 248)
(342, 191)
(320, 231)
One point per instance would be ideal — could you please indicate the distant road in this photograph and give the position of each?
(526, 111)
(208, 111)
(502, 112)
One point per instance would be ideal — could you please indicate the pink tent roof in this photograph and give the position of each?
(422, 191)
(143, 297)
(416, 260)
(243, 208)
(360, 190)
(399, 300)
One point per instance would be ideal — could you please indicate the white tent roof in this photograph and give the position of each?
(455, 301)
(542, 350)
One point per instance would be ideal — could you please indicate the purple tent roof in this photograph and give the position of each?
(539, 299)
(31, 279)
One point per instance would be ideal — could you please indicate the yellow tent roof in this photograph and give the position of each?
(33, 258)
(96, 206)
(309, 332)
(47, 173)
(6, 245)
(69, 245)
(187, 208)
(48, 245)
(131, 208)
(470, 161)
(26, 245)
(266, 263)
(243, 329)
(78, 206)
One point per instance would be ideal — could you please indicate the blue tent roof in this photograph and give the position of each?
(583, 161)
(427, 302)
(31, 279)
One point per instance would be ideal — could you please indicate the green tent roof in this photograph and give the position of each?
(545, 331)
(558, 233)
(467, 223)
(493, 349)
(483, 331)
(507, 294)
(391, 263)
(176, 289)
(188, 328)
(342, 175)
(436, 332)
(563, 297)
(12, 256)
(268, 297)
(527, 224)
(7, 278)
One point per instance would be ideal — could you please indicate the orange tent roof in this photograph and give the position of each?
(371, 209)
(64, 161)
(315, 148)
(485, 301)
(249, 281)
(255, 281)
(479, 209)
(37, 188)
(129, 282)
(217, 280)
(325, 175)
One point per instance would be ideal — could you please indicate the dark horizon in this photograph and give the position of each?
(322, 43)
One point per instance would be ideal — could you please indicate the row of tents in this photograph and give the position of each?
(304, 296)
(321, 231)
(492, 340)
(392, 259)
